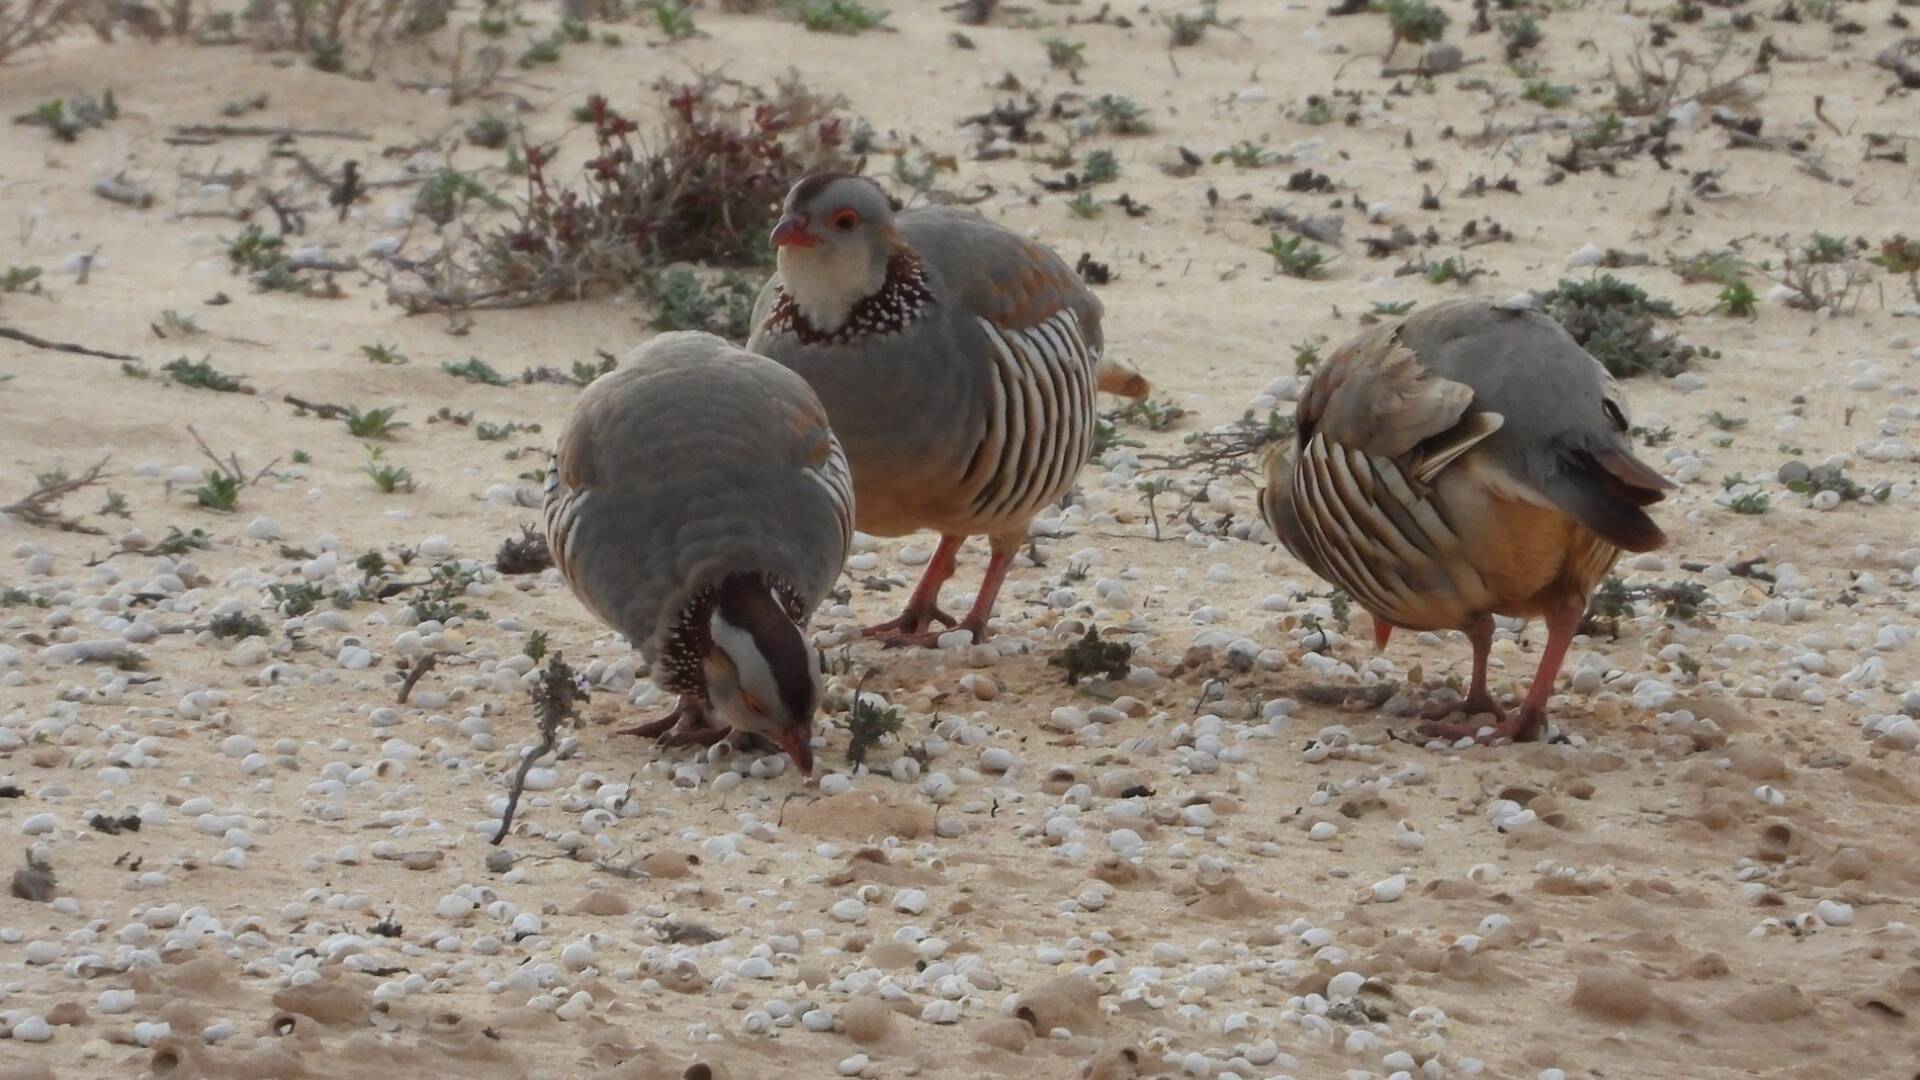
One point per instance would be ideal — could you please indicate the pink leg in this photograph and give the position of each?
(923, 606)
(1479, 699)
(982, 609)
(1563, 621)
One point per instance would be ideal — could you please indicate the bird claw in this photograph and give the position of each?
(930, 639)
(911, 623)
(1522, 726)
(685, 725)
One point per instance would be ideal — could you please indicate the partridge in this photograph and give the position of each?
(700, 505)
(958, 362)
(1469, 461)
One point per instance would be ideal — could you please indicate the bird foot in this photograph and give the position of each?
(913, 621)
(930, 639)
(1522, 726)
(686, 725)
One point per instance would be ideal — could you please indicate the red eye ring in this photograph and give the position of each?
(844, 219)
(753, 703)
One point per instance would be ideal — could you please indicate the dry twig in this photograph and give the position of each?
(41, 508)
(556, 697)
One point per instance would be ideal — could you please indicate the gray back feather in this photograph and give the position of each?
(691, 461)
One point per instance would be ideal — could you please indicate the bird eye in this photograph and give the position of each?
(844, 220)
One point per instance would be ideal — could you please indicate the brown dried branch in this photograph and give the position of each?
(41, 508)
(419, 671)
(557, 697)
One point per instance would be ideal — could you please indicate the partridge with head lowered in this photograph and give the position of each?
(958, 362)
(1469, 461)
(700, 505)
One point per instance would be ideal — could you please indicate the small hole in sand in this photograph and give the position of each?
(166, 1059)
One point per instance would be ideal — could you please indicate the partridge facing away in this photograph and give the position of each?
(1469, 461)
(958, 362)
(700, 505)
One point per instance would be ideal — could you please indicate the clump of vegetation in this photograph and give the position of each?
(296, 598)
(218, 491)
(1898, 255)
(490, 432)
(179, 543)
(1802, 480)
(68, 118)
(674, 18)
(1188, 28)
(1120, 115)
(384, 354)
(1824, 249)
(374, 423)
(1616, 322)
(705, 189)
(488, 132)
(836, 16)
(868, 724)
(1548, 94)
(12, 597)
(442, 597)
(1721, 267)
(1084, 206)
(388, 478)
(1295, 256)
(202, 375)
(446, 193)
(1064, 55)
(1318, 111)
(1092, 656)
(474, 369)
(1246, 154)
(237, 624)
(1521, 32)
(536, 646)
(1414, 22)
(684, 300)
(15, 279)
(1099, 167)
(1738, 299)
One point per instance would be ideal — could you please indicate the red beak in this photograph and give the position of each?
(798, 743)
(792, 232)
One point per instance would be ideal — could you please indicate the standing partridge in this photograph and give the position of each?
(1469, 461)
(700, 505)
(958, 362)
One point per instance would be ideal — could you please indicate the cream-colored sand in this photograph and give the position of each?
(1652, 921)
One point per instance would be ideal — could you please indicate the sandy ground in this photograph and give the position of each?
(310, 893)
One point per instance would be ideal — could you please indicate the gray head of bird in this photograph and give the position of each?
(832, 244)
(763, 674)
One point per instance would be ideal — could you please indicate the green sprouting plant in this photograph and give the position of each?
(1522, 32)
(256, 250)
(488, 131)
(11, 597)
(384, 354)
(301, 457)
(474, 369)
(1414, 22)
(1447, 269)
(447, 192)
(1547, 94)
(1106, 436)
(371, 564)
(1392, 309)
(836, 16)
(1084, 206)
(1737, 298)
(1604, 129)
(868, 724)
(492, 26)
(1306, 357)
(1318, 111)
(116, 505)
(237, 624)
(1822, 248)
(68, 118)
(1717, 267)
(585, 371)
(1724, 422)
(674, 18)
(374, 423)
(134, 369)
(543, 51)
(179, 543)
(1652, 438)
(1245, 154)
(489, 432)
(1752, 502)
(1092, 656)
(536, 646)
(19, 279)
(1295, 256)
(218, 491)
(389, 478)
(1120, 115)
(52, 478)
(295, 598)
(1065, 55)
(441, 599)
(1099, 167)
(202, 375)
(1188, 28)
